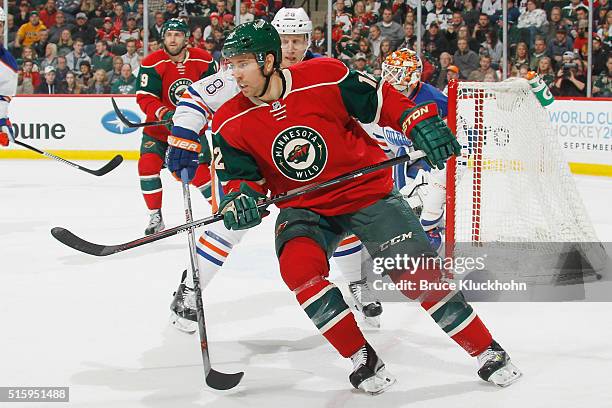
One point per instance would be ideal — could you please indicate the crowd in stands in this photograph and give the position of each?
(95, 46)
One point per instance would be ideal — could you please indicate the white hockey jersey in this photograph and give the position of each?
(200, 102)
(8, 80)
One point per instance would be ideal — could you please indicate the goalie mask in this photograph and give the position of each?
(402, 68)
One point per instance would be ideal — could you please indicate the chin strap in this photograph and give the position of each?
(268, 77)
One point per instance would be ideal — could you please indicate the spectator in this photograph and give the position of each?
(465, 59)
(365, 49)
(228, 23)
(210, 45)
(27, 53)
(554, 24)
(221, 9)
(115, 74)
(372, 6)
(102, 58)
(77, 56)
(88, 7)
(341, 18)
(361, 15)
(390, 29)
(153, 45)
(319, 45)
(464, 33)
(155, 30)
(130, 7)
(453, 27)
(600, 55)
(493, 47)
(108, 33)
(50, 85)
(446, 61)
(570, 12)
(68, 6)
(245, 16)
(65, 43)
(130, 32)
(580, 38)
(99, 83)
(411, 19)
(60, 25)
(409, 37)
(41, 44)
(184, 16)
(602, 86)
(48, 13)
(196, 39)
(484, 73)
(375, 39)
(383, 52)
(492, 8)
(360, 63)
(521, 56)
(605, 31)
(533, 20)
(71, 86)
(171, 10)
(545, 71)
(513, 11)
(84, 76)
(214, 23)
(539, 52)
(23, 14)
(452, 72)
(12, 31)
(119, 17)
(559, 46)
(569, 81)
(28, 78)
(29, 33)
(108, 6)
(481, 29)
(433, 35)
(50, 59)
(83, 30)
(131, 56)
(469, 13)
(61, 70)
(440, 14)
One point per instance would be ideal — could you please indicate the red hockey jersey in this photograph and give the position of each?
(309, 135)
(161, 83)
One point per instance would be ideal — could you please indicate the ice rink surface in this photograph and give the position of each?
(100, 325)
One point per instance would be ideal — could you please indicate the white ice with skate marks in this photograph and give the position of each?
(100, 325)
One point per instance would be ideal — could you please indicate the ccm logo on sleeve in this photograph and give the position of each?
(419, 113)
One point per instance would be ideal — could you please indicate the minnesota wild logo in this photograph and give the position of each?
(300, 153)
(176, 90)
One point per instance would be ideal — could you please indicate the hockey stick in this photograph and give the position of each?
(111, 165)
(129, 124)
(68, 238)
(215, 379)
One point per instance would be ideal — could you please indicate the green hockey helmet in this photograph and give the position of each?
(175, 24)
(255, 37)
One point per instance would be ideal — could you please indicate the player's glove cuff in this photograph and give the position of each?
(184, 144)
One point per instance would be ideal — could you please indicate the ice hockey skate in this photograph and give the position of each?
(495, 366)
(365, 302)
(156, 223)
(184, 312)
(369, 372)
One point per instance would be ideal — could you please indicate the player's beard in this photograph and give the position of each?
(177, 52)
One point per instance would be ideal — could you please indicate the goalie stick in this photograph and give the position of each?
(108, 167)
(215, 379)
(68, 238)
(129, 124)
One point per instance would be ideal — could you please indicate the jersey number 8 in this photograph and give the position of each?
(212, 88)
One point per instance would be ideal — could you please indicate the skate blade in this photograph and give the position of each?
(506, 375)
(378, 383)
(184, 325)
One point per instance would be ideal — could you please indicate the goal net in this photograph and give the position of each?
(511, 184)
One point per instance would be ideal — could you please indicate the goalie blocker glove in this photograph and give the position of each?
(239, 208)
(430, 134)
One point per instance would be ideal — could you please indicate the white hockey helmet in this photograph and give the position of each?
(402, 68)
(293, 21)
(2, 15)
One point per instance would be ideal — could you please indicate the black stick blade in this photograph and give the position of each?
(223, 381)
(108, 167)
(69, 239)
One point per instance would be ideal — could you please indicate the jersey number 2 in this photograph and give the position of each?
(218, 159)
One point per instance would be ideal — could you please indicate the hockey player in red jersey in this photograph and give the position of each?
(296, 126)
(163, 77)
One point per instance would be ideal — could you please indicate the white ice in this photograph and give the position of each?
(100, 325)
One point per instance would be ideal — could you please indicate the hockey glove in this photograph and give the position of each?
(6, 135)
(430, 134)
(182, 154)
(239, 208)
(166, 114)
